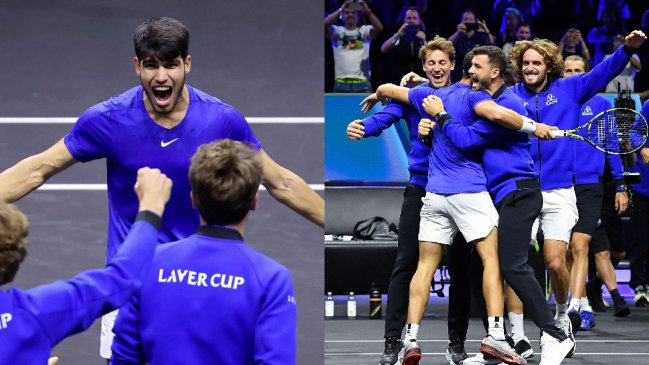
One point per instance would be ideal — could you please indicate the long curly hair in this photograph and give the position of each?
(13, 241)
(548, 49)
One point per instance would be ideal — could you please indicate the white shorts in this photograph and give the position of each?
(474, 215)
(107, 335)
(558, 215)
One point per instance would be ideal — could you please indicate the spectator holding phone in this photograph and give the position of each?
(573, 44)
(471, 32)
(404, 46)
(351, 45)
(523, 33)
(509, 25)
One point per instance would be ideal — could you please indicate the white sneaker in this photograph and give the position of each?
(479, 359)
(565, 325)
(553, 351)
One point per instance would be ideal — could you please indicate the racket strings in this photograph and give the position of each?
(618, 132)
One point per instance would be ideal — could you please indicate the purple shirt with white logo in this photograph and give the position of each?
(121, 131)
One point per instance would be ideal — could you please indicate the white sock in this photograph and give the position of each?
(562, 311)
(496, 328)
(584, 305)
(575, 303)
(516, 321)
(411, 332)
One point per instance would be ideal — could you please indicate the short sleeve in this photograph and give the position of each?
(89, 139)
(238, 129)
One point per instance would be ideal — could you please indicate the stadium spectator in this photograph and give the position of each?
(470, 33)
(625, 80)
(619, 6)
(509, 26)
(601, 38)
(529, 9)
(404, 46)
(523, 33)
(572, 44)
(351, 45)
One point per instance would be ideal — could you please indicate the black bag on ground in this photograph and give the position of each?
(376, 228)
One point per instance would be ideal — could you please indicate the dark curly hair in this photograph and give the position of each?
(13, 241)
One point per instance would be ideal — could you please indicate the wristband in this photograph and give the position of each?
(529, 126)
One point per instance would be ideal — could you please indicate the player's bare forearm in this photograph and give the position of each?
(399, 93)
(291, 190)
(30, 173)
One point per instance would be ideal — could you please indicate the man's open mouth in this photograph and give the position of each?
(162, 93)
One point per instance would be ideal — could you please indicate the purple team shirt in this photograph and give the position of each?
(121, 131)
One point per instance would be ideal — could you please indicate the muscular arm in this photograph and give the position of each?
(290, 190)
(491, 111)
(30, 173)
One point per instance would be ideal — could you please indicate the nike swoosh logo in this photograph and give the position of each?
(165, 144)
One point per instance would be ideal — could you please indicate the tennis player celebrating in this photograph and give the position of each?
(456, 199)
(513, 185)
(557, 101)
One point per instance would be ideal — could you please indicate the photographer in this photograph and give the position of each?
(404, 46)
(572, 44)
(351, 45)
(470, 33)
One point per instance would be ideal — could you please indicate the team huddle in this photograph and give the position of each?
(485, 163)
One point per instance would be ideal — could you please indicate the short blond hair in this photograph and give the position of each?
(225, 177)
(437, 43)
(13, 241)
(546, 48)
(575, 57)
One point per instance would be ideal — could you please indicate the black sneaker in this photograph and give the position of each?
(575, 320)
(390, 354)
(621, 308)
(524, 348)
(595, 298)
(455, 353)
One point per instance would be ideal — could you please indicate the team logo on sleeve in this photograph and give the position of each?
(551, 100)
(587, 111)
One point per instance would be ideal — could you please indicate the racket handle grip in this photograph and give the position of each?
(558, 133)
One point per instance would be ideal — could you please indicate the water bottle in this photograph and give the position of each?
(375, 303)
(329, 306)
(351, 306)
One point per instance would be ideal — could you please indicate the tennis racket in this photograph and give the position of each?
(617, 131)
